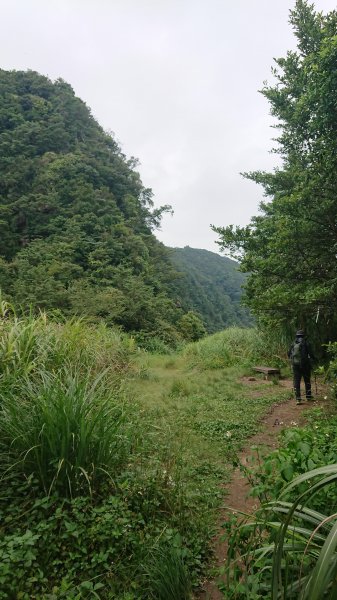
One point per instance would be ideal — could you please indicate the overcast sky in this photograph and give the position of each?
(177, 83)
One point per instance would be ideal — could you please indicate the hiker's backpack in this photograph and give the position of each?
(299, 354)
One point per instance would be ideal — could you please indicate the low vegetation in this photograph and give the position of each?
(287, 549)
(111, 458)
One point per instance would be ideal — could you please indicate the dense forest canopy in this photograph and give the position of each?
(76, 223)
(290, 248)
(211, 286)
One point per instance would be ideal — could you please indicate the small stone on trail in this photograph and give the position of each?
(251, 378)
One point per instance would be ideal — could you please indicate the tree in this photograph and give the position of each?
(290, 248)
(191, 327)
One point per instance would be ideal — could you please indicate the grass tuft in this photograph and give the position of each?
(168, 576)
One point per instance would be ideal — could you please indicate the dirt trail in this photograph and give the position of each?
(287, 414)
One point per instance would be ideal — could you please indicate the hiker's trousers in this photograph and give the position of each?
(300, 372)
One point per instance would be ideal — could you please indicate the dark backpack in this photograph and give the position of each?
(299, 353)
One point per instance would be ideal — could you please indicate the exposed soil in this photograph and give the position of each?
(287, 414)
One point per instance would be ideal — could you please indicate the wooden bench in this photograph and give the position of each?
(268, 372)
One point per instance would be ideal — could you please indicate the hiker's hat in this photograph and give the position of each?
(300, 333)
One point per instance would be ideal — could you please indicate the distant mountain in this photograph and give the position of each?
(211, 285)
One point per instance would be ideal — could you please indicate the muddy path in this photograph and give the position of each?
(280, 416)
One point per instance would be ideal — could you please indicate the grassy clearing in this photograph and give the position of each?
(201, 393)
(205, 414)
(112, 459)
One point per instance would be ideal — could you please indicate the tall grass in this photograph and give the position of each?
(67, 432)
(167, 574)
(90, 494)
(237, 346)
(62, 419)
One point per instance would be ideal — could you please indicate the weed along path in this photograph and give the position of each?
(236, 498)
(204, 414)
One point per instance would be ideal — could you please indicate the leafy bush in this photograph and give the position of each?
(114, 545)
(226, 430)
(191, 327)
(152, 343)
(301, 450)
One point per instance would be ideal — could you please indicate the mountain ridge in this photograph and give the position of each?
(211, 285)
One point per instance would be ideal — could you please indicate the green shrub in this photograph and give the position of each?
(152, 343)
(191, 327)
(112, 546)
(301, 450)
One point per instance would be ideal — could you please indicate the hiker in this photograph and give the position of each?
(301, 356)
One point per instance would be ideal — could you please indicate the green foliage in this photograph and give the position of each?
(76, 223)
(282, 551)
(331, 368)
(289, 249)
(168, 576)
(93, 493)
(289, 549)
(227, 430)
(68, 547)
(191, 327)
(210, 285)
(111, 458)
(302, 449)
(180, 388)
(60, 422)
(66, 431)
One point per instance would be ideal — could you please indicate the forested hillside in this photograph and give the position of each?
(210, 285)
(76, 223)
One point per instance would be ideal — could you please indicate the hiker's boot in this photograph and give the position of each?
(308, 392)
(310, 398)
(299, 401)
